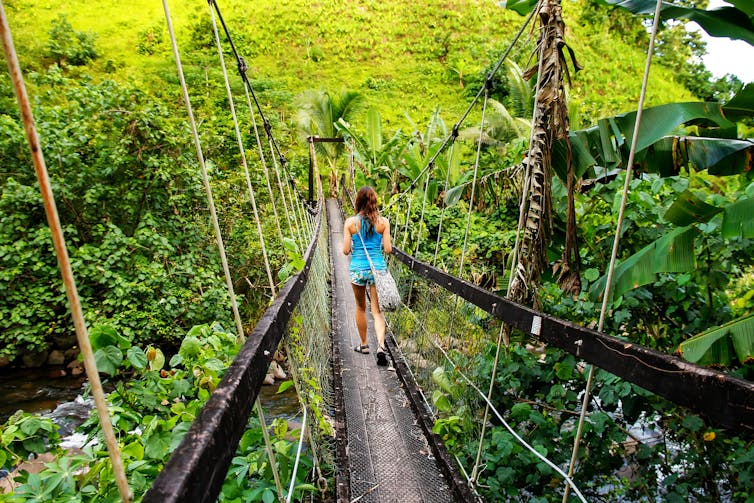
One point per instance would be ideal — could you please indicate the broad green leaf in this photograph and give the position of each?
(157, 445)
(441, 379)
(721, 22)
(156, 358)
(134, 450)
(742, 104)
(374, 131)
(440, 400)
(137, 357)
(108, 360)
(521, 6)
(688, 209)
(673, 252)
(190, 347)
(453, 195)
(268, 496)
(521, 411)
(31, 425)
(738, 221)
(284, 386)
(177, 434)
(102, 336)
(198, 331)
(662, 120)
(215, 364)
(693, 422)
(713, 346)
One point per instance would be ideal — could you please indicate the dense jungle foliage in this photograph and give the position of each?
(107, 105)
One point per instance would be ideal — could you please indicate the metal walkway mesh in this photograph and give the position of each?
(389, 458)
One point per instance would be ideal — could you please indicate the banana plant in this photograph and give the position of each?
(376, 157)
(318, 113)
(718, 345)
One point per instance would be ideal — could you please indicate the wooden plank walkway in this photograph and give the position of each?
(387, 455)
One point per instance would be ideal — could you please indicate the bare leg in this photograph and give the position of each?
(359, 293)
(379, 318)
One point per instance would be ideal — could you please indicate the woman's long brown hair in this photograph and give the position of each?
(366, 205)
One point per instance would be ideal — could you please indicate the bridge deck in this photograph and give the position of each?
(388, 456)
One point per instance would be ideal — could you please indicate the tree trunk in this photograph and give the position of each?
(550, 123)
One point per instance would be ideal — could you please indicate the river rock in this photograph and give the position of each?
(71, 354)
(34, 360)
(56, 357)
(77, 367)
(64, 341)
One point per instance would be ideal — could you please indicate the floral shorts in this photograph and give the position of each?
(361, 278)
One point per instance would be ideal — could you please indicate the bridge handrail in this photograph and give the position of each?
(725, 400)
(197, 468)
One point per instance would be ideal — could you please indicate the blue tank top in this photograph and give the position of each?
(373, 242)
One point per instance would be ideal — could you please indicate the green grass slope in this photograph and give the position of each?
(405, 57)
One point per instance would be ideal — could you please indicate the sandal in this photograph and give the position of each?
(381, 358)
(363, 349)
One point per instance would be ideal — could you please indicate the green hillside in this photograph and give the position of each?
(405, 57)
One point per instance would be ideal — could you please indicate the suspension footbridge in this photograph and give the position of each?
(384, 445)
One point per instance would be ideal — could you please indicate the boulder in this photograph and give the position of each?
(56, 357)
(64, 341)
(71, 354)
(34, 360)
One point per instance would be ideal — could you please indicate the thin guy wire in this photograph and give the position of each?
(492, 407)
(264, 165)
(292, 219)
(58, 239)
(205, 176)
(298, 458)
(445, 188)
(242, 70)
(242, 150)
(473, 184)
(616, 242)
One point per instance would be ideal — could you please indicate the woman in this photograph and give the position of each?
(367, 229)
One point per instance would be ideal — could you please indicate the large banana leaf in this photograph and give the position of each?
(719, 156)
(673, 252)
(606, 144)
(738, 221)
(742, 104)
(728, 21)
(717, 345)
(733, 22)
(688, 209)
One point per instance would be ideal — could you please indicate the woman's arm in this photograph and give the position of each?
(387, 245)
(347, 237)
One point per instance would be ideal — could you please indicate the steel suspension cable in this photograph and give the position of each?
(242, 151)
(61, 251)
(242, 67)
(497, 66)
(298, 458)
(616, 241)
(473, 184)
(288, 199)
